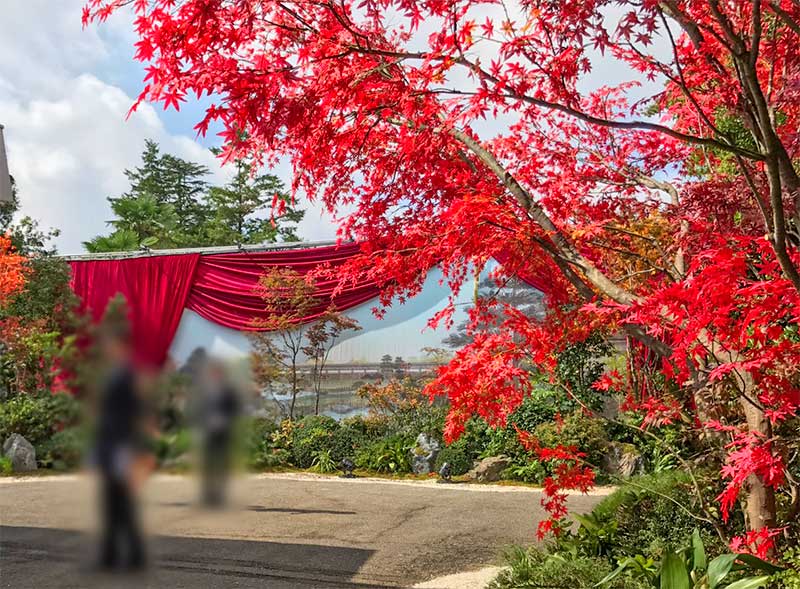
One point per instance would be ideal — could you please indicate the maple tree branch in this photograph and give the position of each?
(681, 82)
(785, 17)
(567, 250)
(762, 207)
(692, 30)
(574, 112)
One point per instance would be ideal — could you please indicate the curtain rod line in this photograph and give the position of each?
(203, 251)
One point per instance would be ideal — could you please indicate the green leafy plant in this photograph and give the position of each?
(534, 568)
(173, 445)
(596, 536)
(457, 455)
(38, 418)
(309, 436)
(690, 569)
(586, 433)
(652, 513)
(323, 462)
(65, 449)
(529, 472)
(789, 578)
(389, 455)
(6, 468)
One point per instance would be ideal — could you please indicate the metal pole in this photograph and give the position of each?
(5, 178)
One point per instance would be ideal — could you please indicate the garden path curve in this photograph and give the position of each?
(282, 531)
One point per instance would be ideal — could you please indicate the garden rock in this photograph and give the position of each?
(20, 452)
(489, 469)
(423, 454)
(623, 460)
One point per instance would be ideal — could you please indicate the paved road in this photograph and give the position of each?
(280, 532)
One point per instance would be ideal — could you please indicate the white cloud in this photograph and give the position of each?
(63, 105)
(68, 154)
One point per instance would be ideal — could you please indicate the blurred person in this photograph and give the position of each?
(218, 410)
(120, 454)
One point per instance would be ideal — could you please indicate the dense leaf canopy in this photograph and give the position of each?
(664, 204)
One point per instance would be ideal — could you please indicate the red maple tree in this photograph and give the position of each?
(665, 205)
(13, 270)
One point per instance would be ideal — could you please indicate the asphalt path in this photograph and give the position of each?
(279, 531)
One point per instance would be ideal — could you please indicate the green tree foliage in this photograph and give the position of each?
(162, 208)
(171, 204)
(37, 324)
(240, 210)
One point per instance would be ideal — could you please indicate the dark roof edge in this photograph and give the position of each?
(203, 251)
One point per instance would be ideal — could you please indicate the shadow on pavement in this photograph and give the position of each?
(263, 509)
(290, 510)
(48, 558)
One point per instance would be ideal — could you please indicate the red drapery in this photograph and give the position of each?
(218, 287)
(223, 289)
(155, 289)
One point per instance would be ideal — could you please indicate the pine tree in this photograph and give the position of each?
(241, 210)
(170, 204)
(163, 208)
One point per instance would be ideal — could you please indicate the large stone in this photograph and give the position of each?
(489, 469)
(623, 460)
(20, 452)
(424, 453)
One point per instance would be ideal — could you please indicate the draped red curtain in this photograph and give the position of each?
(218, 287)
(224, 284)
(155, 289)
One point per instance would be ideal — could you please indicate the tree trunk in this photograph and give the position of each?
(760, 498)
(294, 392)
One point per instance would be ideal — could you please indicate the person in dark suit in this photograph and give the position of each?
(118, 446)
(219, 408)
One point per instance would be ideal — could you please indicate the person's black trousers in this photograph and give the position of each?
(216, 468)
(121, 532)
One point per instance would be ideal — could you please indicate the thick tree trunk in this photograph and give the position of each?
(760, 499)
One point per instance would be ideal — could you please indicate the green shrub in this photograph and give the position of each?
(531, 472)
(579, 366)
(505, 441)
(37, 417)
(6, 468)
(389, 455)
(647, 515)
(323, 462)
(256, 437)
(65, 449)
(347, 439)
(541, 406)
(174, 445)
(273, 458)
(309, 436)
(535, 568)
(586, 433)
(375, 426)
(458, 455)
(789, 578)
(407, 407)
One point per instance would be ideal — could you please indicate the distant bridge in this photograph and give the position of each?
(371, 371)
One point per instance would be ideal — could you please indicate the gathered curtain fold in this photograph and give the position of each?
(219, 287)
(155, 289)
(224, 289)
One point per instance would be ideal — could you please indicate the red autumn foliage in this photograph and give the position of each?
(13, 269)
(665, 205)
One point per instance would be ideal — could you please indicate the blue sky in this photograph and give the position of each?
(64, 93)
